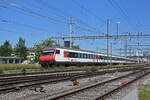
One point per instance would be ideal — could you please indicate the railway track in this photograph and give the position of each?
(102, 90)
(39, 73)
(10, 84)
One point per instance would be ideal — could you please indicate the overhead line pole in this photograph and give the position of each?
(125, 45)
(107, 36)
(103, 37)
(71, 39)
(111, 53)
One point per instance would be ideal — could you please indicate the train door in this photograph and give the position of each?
(58, 55)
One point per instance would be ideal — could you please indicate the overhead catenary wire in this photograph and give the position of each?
(41, 8)
(122, 12)
(29, 26)
(90, 13)
(8, 30)
(84, 29)
(83, 23)
(31, 12)
(87, 10)
(65, 14)
(24, 25)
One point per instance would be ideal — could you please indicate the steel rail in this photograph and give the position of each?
(70, 94)
(39, 81)
(103, 97)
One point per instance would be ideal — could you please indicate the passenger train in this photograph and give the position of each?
(65, 56)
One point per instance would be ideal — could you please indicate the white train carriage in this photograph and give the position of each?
(67, 56)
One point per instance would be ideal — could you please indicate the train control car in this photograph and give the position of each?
(66, 56)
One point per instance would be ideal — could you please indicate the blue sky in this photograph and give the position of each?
(51, 18)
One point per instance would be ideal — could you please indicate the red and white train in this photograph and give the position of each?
(66, 56)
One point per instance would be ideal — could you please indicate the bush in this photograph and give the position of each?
(15, 68)
(92, 69)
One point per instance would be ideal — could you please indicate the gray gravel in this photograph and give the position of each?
(53, 89)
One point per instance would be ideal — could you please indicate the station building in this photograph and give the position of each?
(10, 60)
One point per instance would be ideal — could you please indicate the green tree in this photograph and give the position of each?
(6, 49)
(21, 49)
(75, 47)
(45, 43)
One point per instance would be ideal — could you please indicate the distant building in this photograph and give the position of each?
(31, 53)
(10, 60)
(139, 53)
(67, 44)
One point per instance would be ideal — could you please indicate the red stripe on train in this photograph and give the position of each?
(65, 54)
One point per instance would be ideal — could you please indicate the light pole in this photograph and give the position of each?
(117, 28)
(117, 24)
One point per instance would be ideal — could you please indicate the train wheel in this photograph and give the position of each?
(52, 65)
(66, 65)
(45, 66)
(42, 65)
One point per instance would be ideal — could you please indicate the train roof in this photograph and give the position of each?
(73, 49)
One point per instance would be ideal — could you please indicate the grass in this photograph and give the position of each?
(144, 92)
(17, 68)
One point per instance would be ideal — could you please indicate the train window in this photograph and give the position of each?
(48, 52)
(57, 51)
(84, 55)
(113, 58)
(79, 55)
(75, 55)
(88, 56)
(102, 57)
(94, 56)
(99, 56)
(69, 54)
(91, 56)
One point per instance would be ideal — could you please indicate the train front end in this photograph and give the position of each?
(47, 57)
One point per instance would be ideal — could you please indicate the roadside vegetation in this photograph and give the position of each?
(144, 92)
(17, 68)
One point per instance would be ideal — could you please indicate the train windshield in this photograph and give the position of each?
(48, 52)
